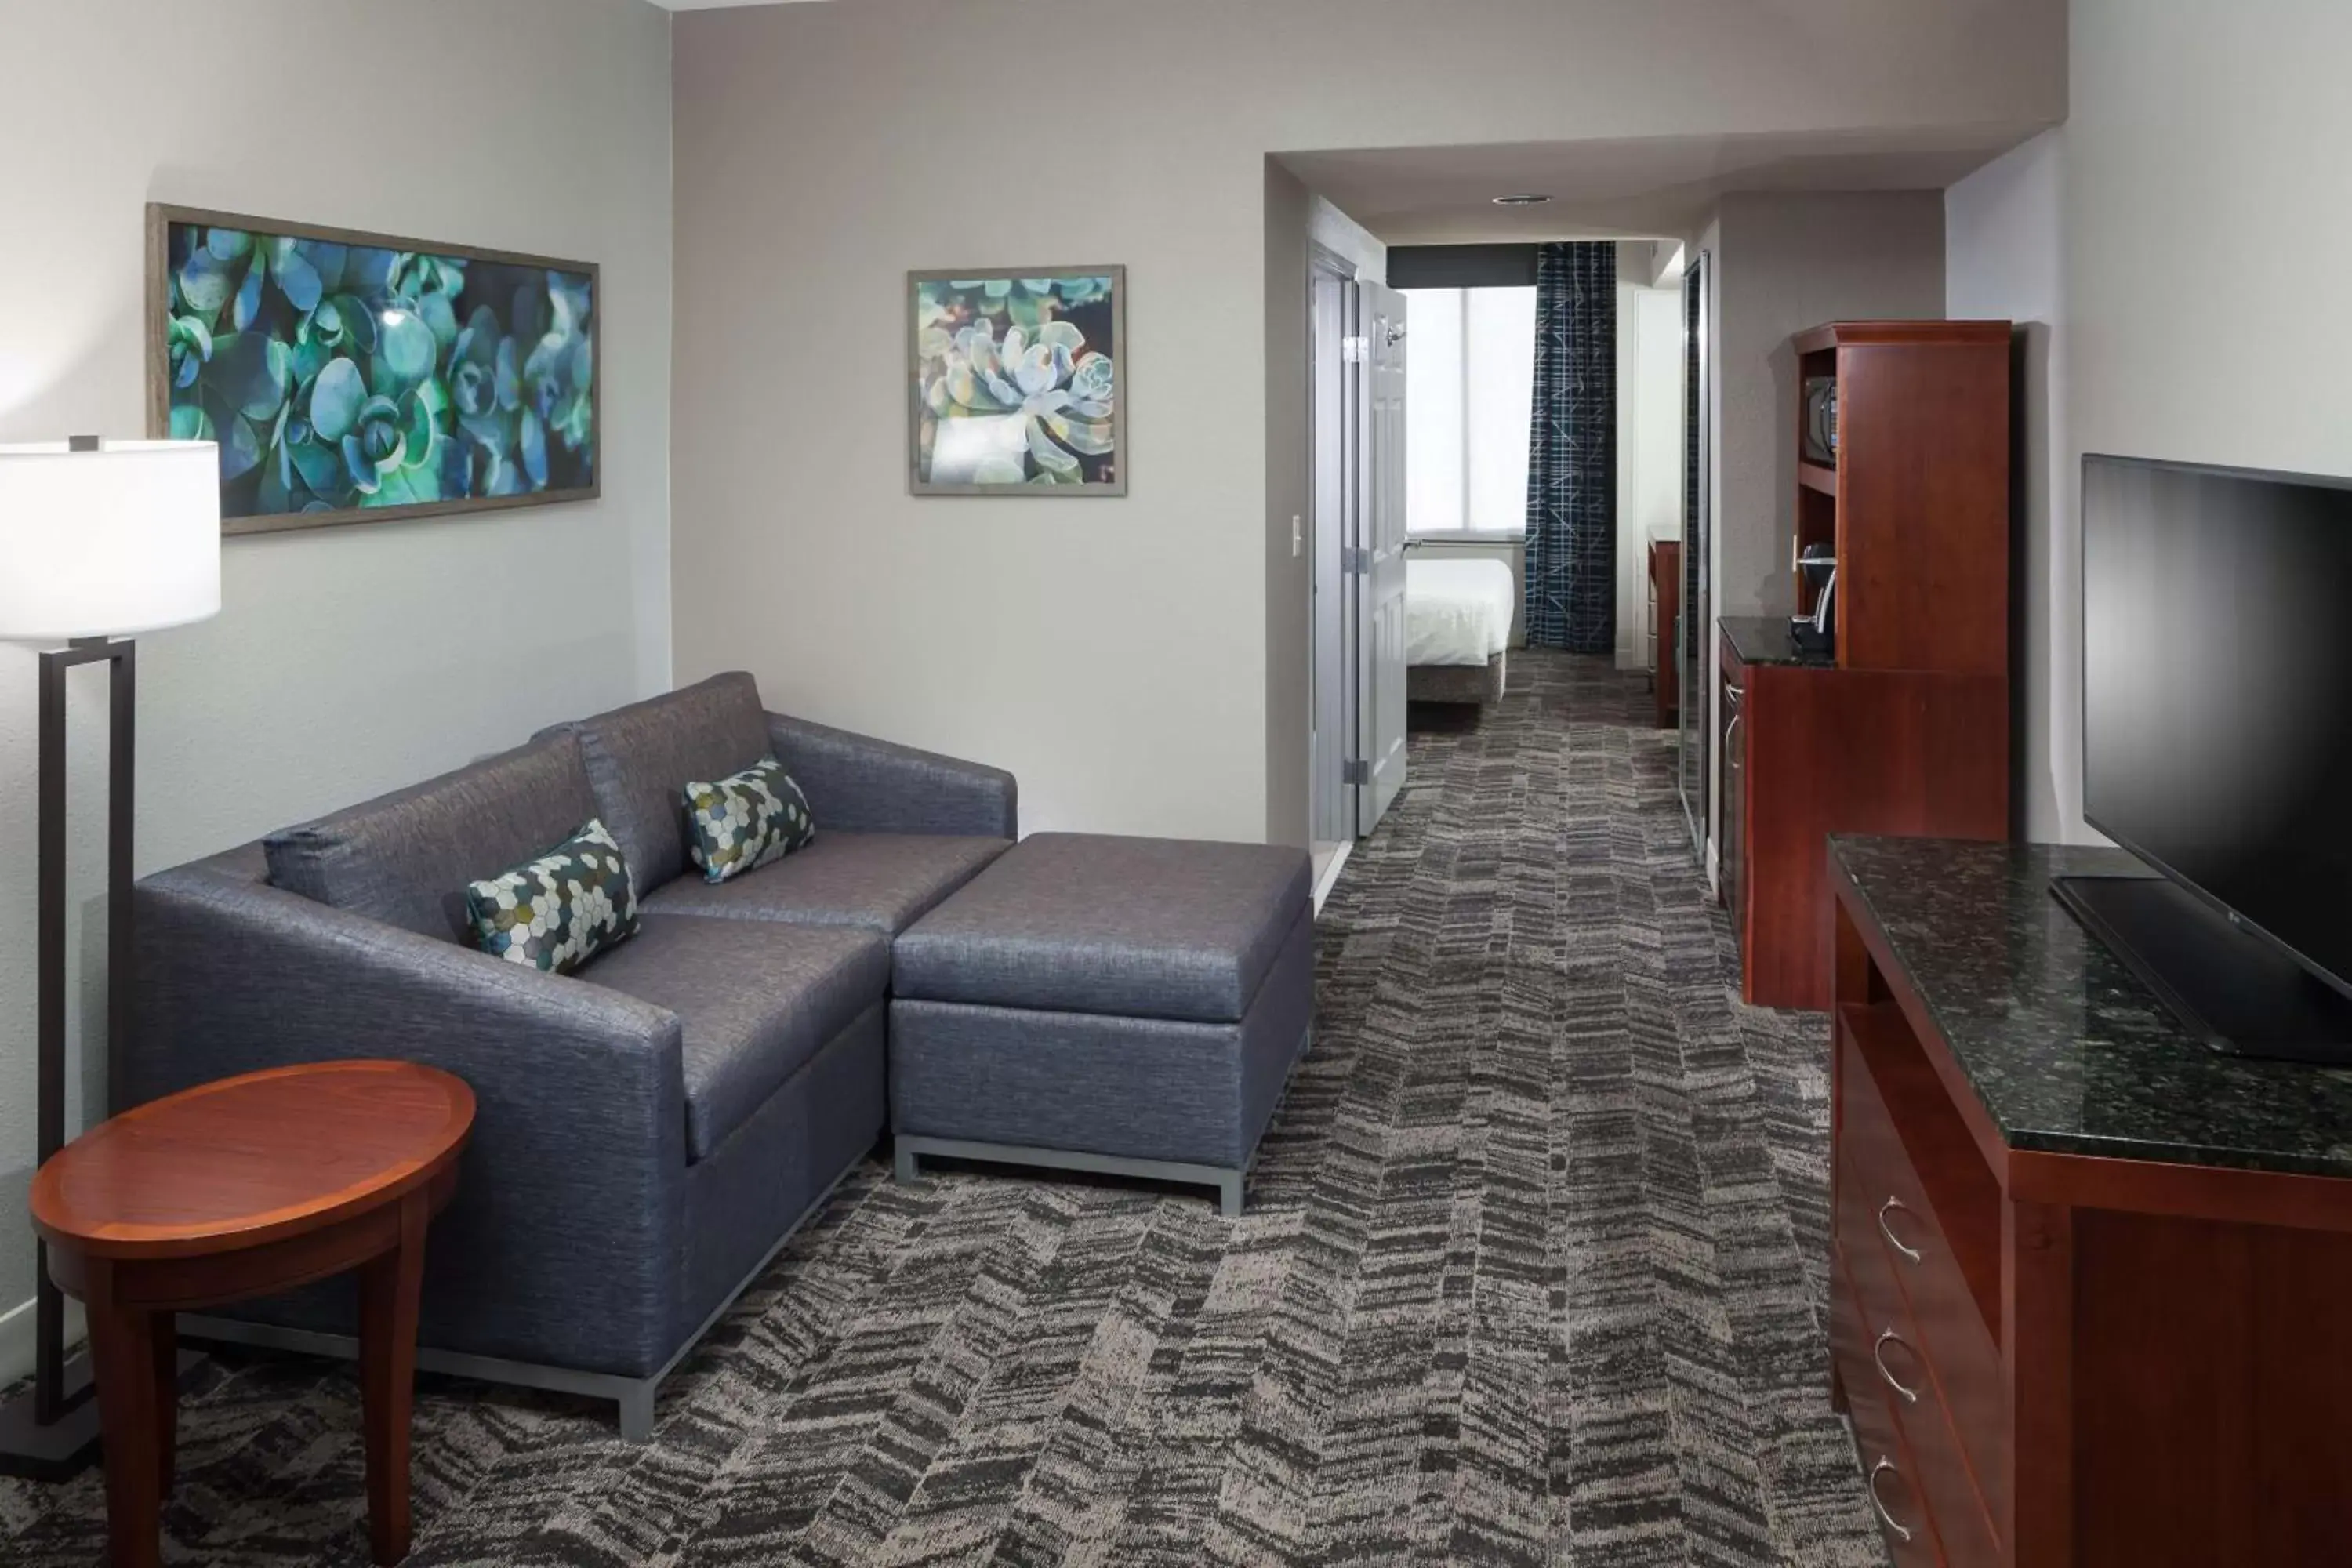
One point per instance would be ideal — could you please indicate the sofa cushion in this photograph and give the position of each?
(406, 857)
(745, 820)
(882, 882)
(641, 758)
(559, 910)
(756, 1000)
(1148, 928)
(1135, 1088)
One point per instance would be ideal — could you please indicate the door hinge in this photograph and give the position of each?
(1355, 563)
(1358, 772)
(1355, 349)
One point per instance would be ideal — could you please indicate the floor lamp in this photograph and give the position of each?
(99, 540)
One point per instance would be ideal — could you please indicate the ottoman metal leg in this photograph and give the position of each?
(909, 1148)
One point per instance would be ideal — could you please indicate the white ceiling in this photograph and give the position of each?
(715, 5)
(1649, 186)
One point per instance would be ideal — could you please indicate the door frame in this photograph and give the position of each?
(1380, 560)
(1696, 758)
(1335, 389)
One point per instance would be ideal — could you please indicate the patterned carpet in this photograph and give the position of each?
(1530, 1274)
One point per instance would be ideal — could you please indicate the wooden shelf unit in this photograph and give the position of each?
(1908, 731)
(1917, 506)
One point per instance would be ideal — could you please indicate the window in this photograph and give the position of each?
(1470, 371)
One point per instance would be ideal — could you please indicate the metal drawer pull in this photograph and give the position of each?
(1911, 1253)
(1886, 1467)
(1877, 1354)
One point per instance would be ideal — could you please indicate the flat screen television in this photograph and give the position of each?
(2217, 745)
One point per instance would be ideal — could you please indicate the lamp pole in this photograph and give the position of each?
(52, 1398)
(52, 1431)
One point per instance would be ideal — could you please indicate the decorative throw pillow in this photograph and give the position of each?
(559, 910)
(741, 823)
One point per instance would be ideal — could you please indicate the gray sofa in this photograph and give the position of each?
(650, 1130)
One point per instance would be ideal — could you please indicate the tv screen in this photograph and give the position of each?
(2217, 689)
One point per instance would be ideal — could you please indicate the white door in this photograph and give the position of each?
(1337, 734)
(1381, 642)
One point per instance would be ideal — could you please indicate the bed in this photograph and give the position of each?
(1458, 617)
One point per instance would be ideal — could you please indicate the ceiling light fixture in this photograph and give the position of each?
(1521, 201)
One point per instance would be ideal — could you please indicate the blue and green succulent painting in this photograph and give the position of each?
(337, 376)
(1016, 380)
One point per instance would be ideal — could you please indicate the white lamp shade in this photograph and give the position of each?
(112, 542)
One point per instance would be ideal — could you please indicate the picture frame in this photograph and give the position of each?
(1052, 424)
(514, 423)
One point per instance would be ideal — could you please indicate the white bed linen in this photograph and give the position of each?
(1456, 612)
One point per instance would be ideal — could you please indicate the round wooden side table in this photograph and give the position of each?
(241, 1188)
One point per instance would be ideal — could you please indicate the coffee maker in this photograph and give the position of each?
(1817, 633)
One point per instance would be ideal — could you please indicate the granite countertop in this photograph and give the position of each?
(1766, 639)
(2068, 1051)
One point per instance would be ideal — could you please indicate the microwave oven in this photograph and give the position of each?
(1821, 420)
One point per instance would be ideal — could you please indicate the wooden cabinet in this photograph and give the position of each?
(1811, 749)
(2060, 1359)
(1665, 617)
(1904, 729)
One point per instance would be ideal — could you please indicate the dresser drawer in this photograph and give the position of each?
(1886, 1211)
(1903, 1375)
(1888, 1465)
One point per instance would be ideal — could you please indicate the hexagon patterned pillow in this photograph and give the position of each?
(559, 910)
(740, 823)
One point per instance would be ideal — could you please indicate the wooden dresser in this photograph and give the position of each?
(1665, 617)
(1904, 727)
(2091, 1293)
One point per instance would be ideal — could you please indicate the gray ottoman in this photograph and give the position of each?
(1130, 1006)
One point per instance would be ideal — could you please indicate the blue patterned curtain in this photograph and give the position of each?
(1572, 451)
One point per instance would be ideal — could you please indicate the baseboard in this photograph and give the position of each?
(1331, 876)
(16, 1337)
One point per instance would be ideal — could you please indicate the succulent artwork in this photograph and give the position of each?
(337, 376)
(1018, 383)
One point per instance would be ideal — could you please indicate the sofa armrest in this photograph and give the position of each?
(859, 784)
(566, 1238)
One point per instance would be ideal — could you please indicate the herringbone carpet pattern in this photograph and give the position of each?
(1530, 1274)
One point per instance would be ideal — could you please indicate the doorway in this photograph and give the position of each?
(1337, 389)
(1357, 747)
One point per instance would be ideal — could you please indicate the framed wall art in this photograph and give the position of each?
(1017, 382)
(355, 378)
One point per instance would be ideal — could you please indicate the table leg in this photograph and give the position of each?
(163, 1337)
(389, 1285)
(122, 1356)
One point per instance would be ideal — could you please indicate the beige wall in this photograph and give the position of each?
(2195, 124)
(1784, 263)
(1122, 655)
(1291, 216)
(1649, 449)
(347, 662)
(2003, 259)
